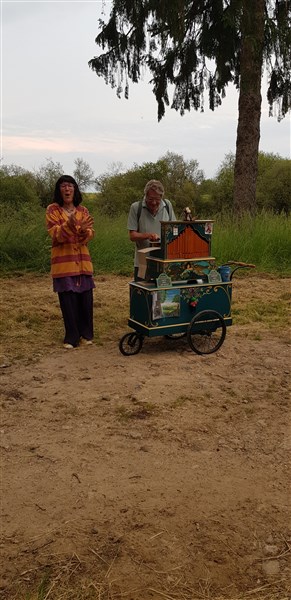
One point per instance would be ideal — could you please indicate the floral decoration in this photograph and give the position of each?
(193, 295)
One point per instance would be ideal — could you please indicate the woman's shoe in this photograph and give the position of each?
(68, 346)
(86, 342)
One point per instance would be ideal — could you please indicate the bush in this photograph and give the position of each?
(18, 198)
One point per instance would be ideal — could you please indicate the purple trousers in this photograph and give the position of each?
(77, 311)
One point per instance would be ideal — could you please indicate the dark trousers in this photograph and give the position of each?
(77, 311)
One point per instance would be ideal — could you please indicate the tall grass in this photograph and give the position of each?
(263, 240)
(111, 250)
(24, 247)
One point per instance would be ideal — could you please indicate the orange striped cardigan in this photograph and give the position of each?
(69, 254)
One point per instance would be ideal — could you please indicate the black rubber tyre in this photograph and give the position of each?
(130, 343)
(206, 332)
(176, 336)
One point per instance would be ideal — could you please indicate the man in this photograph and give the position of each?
(145, 216)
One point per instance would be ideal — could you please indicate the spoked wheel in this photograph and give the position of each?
(131, 343)
(206, 332)
(176, 336)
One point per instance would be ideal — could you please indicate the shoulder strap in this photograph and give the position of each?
(138, 213)
(140, 207)
(167, 206)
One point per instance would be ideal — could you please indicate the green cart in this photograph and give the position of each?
(181, 292)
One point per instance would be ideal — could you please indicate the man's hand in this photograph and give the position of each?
(153, 237)
(136, 236)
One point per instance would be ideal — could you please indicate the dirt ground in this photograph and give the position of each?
(160, 476)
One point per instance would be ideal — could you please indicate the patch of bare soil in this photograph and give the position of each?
(160, 476)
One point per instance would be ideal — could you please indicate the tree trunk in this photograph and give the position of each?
(249, 107)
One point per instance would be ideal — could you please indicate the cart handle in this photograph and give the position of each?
(239, 265)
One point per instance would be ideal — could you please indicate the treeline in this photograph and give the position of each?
(186, 185)
(22, 190)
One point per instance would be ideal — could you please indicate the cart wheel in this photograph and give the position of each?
(176, 336)
(131, 343)
(206, 332)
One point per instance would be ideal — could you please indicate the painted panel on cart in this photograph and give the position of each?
(166, 304)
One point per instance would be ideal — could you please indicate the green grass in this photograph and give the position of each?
(24, 247)
(111, 249)
(264, 240)
(263, 312)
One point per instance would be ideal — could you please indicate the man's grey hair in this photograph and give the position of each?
(155, 185)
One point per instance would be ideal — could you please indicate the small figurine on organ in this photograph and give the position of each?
(187, 214)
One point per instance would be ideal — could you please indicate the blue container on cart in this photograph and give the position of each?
(225, 272)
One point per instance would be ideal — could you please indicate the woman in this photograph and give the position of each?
(71, 227)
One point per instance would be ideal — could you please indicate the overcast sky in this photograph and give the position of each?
(54, 106)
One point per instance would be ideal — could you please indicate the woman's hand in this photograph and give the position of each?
(86, 223)
(72, 221)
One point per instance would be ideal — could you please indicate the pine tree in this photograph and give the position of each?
(201, 46)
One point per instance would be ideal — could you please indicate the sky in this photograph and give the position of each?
(53, 106)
